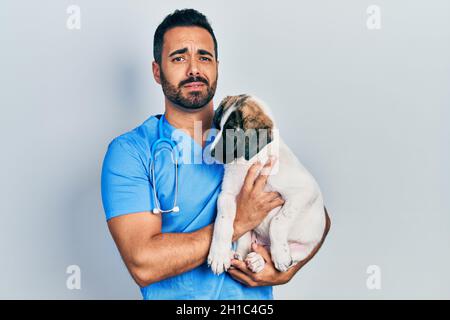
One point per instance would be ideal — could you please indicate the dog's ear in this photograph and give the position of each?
(229, 146)
(233, 137)
(258, 128)
(233, 148)
(218, 116)
(255, 140)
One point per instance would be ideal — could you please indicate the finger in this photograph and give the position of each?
(270, 196)
(241, 277)
(261, 180)
(275, 203)
(252, 173)
(269, 165)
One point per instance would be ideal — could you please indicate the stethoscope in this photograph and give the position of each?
(161, 139)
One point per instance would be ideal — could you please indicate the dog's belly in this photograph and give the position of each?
(291, 179)
(303, 230)
(262, 230)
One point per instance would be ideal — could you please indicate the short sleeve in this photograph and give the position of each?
(125, 184)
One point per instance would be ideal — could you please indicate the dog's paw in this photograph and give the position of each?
(255, 262)
(281, 257)
(219, 258)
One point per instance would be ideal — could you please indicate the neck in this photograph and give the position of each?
(188, 120)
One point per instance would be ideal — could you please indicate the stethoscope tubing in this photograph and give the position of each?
(161, 139)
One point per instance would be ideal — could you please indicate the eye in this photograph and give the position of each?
(206, 58)
(178, 59)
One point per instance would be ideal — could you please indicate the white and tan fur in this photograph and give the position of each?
(293, 230)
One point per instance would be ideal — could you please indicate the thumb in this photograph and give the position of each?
(262, 251)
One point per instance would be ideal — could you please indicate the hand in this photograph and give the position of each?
(269, 276)
(253, 204)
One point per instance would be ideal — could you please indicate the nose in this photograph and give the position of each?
(193, 68)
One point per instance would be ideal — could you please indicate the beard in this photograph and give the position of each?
(194, 99)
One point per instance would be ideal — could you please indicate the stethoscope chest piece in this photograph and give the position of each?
(158, 211)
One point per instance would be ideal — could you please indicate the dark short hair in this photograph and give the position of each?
(180, 18)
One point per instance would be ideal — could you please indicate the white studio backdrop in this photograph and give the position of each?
(363, 103)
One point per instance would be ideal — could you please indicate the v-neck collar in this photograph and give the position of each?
(168, 129)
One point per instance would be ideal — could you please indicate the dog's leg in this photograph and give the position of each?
(300, 252)
(243, 247)
(255, 262)
(278, 231)
(220, 253)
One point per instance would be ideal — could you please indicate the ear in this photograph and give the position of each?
(232, 140)
(256, 140)
(222, 151)
(219, 112)
(258, 128)
(156, 72)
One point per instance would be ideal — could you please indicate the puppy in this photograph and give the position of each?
(247, 133)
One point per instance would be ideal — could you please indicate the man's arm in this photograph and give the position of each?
(151, 255)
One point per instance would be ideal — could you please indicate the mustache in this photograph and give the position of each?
(193, 79)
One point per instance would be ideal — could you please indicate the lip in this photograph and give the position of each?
(194, 85)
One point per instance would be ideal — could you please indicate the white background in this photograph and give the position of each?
(366, 111)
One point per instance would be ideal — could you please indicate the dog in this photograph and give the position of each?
(247, 133)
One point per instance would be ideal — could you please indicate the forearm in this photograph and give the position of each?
(238, 230)
(170, 254)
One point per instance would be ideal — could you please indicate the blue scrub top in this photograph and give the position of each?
(127, 187)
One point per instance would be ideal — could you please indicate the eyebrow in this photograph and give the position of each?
(184, 50)
(179, 51)
(204, 52)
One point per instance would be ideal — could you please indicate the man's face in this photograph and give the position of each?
(188, 71)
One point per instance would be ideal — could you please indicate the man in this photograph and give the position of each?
(166, 253)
